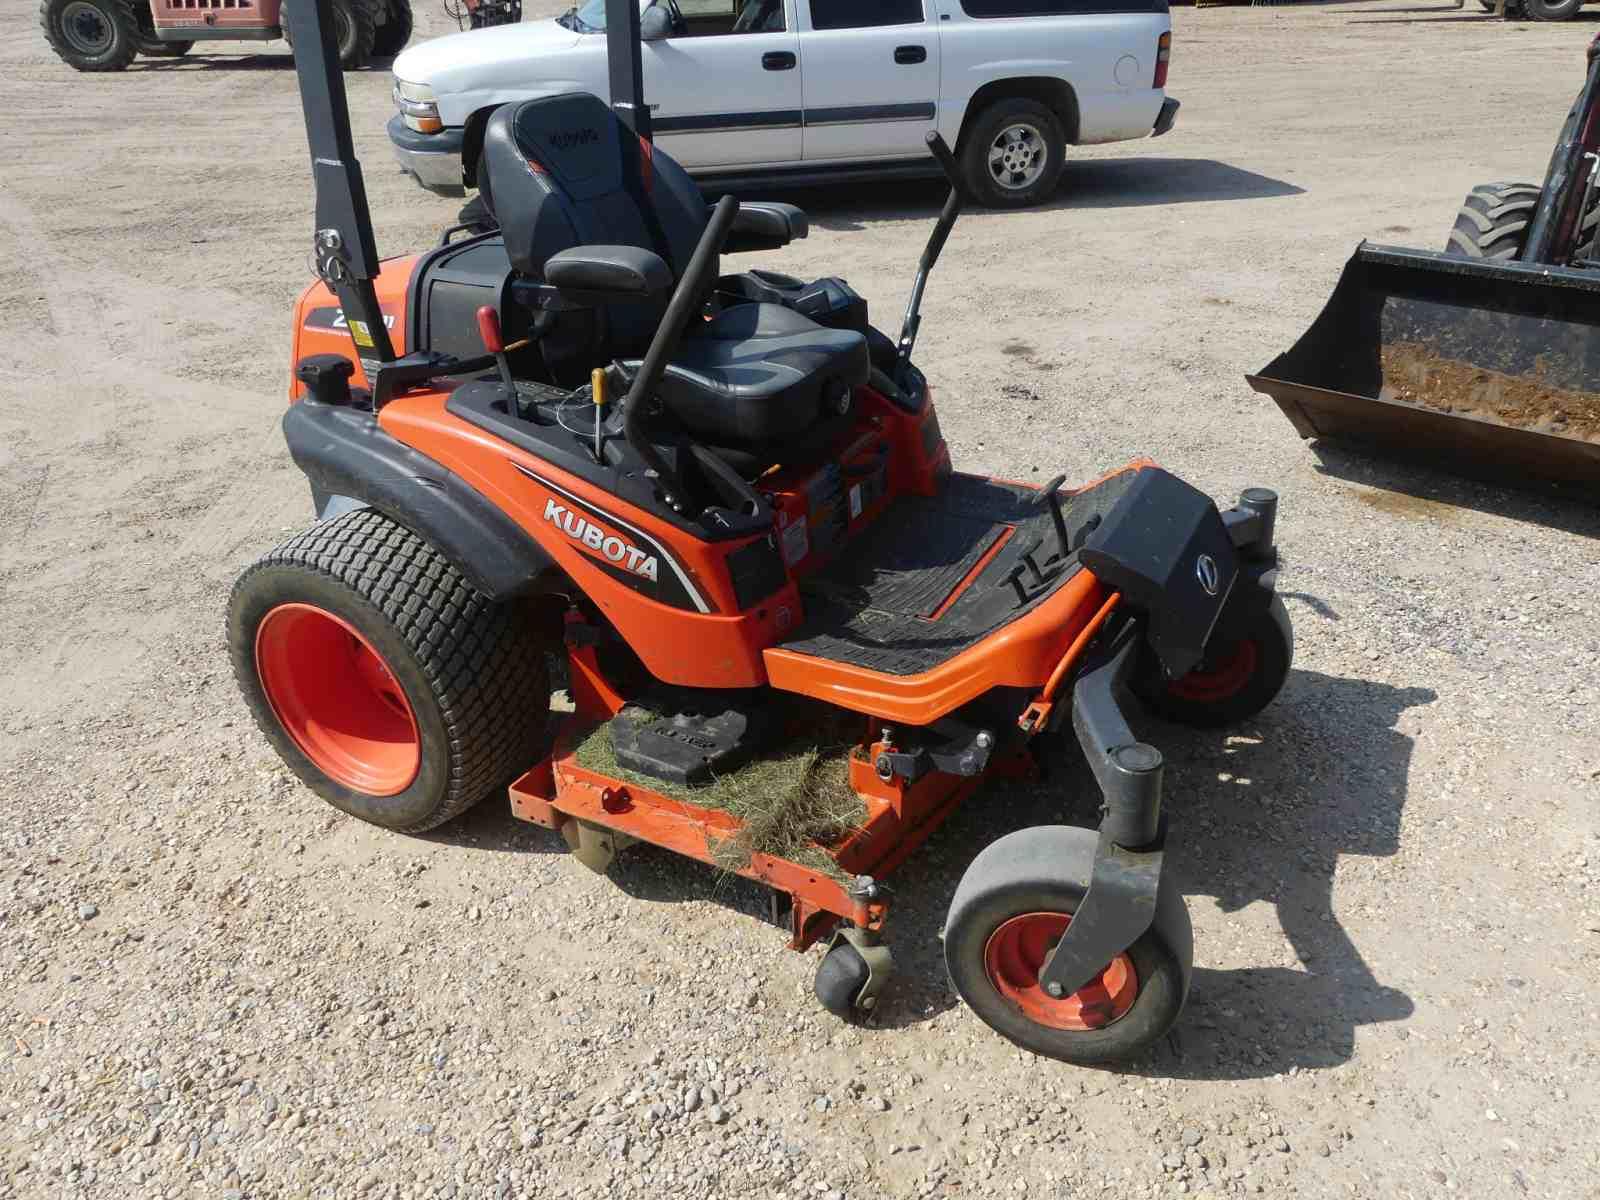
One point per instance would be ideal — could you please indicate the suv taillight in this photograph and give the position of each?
(1163, 55)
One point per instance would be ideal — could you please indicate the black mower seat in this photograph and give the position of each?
(561, 172)
(760, 372)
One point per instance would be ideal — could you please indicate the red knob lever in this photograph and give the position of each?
(489, 330)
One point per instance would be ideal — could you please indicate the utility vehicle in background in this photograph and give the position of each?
(765, 92)
(107, 35)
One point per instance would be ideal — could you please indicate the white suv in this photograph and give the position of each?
(808, 91)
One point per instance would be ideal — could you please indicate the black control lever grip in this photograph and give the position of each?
(952, 203)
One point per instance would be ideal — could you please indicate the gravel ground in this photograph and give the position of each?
(214, 985)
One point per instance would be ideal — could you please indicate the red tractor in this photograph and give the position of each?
(106, 35)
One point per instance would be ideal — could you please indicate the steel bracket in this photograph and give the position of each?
(595, 846)
(873, 952)
(1118, 907)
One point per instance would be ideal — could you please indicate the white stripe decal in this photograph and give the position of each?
(666, 556)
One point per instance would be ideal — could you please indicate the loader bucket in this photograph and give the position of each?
(1487, 369)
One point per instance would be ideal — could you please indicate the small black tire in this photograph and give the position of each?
(1235, 681)
(1493, 221)
(473, 673)
(1013, 153)
(1046, 869)
(840, 977)
(91, 35)
(1551, 10)
(391, 37)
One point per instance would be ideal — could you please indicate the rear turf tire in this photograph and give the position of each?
(1551, 10)
(1493, 221)
(91, 35)
(472, 673)
(1046, 869)
(391, 37)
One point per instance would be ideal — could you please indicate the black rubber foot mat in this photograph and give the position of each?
(886, 602)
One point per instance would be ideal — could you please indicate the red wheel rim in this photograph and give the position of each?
(337, 699)
(1016, 953)
(1209, 683)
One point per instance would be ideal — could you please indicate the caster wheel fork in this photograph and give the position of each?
(853, 973)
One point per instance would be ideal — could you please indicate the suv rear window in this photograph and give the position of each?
(1057, 8)
(868, 14)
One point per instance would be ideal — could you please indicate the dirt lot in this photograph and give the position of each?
(215, 986)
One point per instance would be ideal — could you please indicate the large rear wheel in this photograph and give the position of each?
(1493, 221)
(391, 37)
(91, 35)
(393, 688)
(1551, 10)
(354, 32)
(1012, 906)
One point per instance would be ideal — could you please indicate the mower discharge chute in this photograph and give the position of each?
(795, 638)
(1484, 359)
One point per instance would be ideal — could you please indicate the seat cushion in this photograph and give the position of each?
(760, 372)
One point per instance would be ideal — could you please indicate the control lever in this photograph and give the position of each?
(494, 343)
(931, 252)
(1047, 495)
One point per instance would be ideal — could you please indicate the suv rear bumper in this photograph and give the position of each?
(432, 159)
(1167, 117)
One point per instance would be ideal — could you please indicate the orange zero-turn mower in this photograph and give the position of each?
(726, 499)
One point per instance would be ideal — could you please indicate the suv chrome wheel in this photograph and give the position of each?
(1017, 156)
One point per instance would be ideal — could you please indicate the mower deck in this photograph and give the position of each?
(601, 815)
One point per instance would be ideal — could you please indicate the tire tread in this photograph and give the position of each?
(487, 674)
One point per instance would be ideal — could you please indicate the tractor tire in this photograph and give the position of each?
(396, 691)
(395, 32)
(1493, 221)
(1013, 154)
(1551, 10)
(354, 32)
(91, 35)
(1015, 899)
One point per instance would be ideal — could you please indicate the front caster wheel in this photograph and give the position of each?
(1236, 680)
(393, 688)
(1012, 906)
(852, 975)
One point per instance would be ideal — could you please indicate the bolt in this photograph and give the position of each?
(1054, 989)
(985, 739)
(885, 771)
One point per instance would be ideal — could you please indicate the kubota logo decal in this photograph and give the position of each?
(579, 529)
(566, 139)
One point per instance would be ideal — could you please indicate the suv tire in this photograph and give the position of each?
(1013, 154)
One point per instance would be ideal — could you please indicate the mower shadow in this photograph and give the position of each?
(1414, 488)
(1087, 184)
(1258, 814)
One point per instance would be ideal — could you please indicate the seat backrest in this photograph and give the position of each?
(563, 171)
